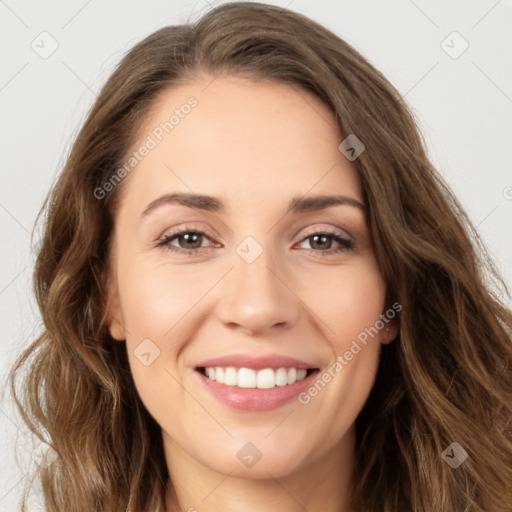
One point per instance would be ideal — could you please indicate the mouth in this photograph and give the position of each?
(250, 378)
(255, 390)
(257, 383)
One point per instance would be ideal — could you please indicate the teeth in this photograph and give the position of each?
(230, 377)
(246, 378)
(266, 378)
(292, 375)
(281, 377)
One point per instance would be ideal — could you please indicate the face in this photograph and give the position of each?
(260, 273)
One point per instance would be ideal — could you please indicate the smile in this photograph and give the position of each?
(275, 394)
(248, 378)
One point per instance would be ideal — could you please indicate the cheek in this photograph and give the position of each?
(156, 297)
(155, 304)
(349, 307)
(346, 302)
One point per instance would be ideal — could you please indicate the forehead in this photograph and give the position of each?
(241, 140)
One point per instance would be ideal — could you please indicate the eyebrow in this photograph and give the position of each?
(213, 204)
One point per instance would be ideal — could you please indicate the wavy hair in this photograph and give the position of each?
(446, 377)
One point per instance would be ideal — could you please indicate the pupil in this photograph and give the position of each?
(324, 238)
(192, 239)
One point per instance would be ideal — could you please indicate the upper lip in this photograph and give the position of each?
(256, 362)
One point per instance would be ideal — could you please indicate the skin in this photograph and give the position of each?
(254, 146)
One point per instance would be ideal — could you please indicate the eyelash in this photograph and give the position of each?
(165, 242)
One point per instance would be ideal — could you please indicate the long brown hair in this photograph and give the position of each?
(446, 378)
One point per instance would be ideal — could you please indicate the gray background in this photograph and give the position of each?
(463, 104)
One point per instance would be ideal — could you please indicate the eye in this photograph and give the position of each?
(324, 240)
(190, 240)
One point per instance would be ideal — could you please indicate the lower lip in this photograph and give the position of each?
(254, 399)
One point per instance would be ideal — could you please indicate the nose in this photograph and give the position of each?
(257, 298)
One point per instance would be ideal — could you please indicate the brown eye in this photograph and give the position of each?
(321, 242)
(189, 241)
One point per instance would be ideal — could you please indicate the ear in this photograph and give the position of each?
(390, 331)
(114, 322)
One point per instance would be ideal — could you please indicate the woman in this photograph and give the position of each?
(328, 341)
